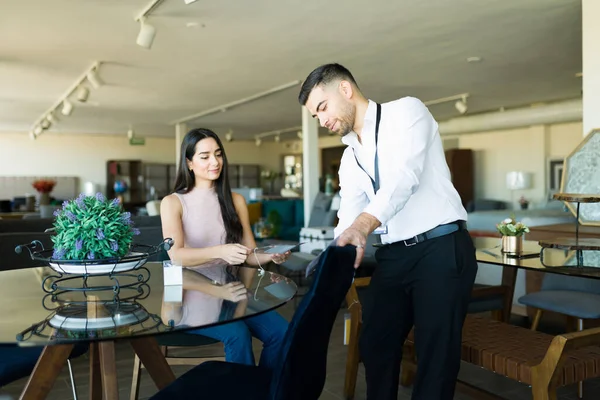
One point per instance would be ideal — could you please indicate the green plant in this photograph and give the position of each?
(91, 227)
(275, 219)
(510, 227)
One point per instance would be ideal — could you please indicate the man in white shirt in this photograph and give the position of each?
(394, 180)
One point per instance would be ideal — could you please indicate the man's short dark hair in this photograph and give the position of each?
(322, 76)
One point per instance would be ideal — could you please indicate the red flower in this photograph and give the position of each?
(44, 185)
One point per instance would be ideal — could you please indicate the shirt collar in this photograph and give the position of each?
(351, 138)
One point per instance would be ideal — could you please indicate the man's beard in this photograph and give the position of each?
(347, 119)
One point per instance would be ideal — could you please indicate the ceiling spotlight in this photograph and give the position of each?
(32, 135)
(277, 138)
(299, 134)
(258, 142)
(94, 78)
(146, 36)
(82, 94)
(45, 124)
(67, 108)
(461, 105)
(229, 136)
(130, 133)
(189, 1)
(37, 130)
(51, 117)
(474, 59)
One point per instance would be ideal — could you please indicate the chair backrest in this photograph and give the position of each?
(301, 368)
(321, 213)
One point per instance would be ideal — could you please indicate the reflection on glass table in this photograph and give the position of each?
(31, 314)
(554, 260)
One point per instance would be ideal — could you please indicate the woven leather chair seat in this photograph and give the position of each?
(511, 351)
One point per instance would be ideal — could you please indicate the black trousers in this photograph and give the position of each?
(427, 285)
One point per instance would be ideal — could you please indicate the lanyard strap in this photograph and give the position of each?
(374, 182)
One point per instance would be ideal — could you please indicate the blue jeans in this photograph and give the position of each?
(269, 328)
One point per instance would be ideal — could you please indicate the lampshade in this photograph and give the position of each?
(518, 180)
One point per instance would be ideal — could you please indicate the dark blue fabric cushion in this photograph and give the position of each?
(575, 304)
(18, 362)
(219, 380)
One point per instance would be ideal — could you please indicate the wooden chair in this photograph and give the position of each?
(497, 299)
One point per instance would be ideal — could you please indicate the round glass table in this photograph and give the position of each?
(42, 307)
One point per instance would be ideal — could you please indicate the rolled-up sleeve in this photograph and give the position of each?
(353, 199)
(412, 130)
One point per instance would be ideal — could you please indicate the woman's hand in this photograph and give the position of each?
(280, 258)
(234, 253)
(234, 291)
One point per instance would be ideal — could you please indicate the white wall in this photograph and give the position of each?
(85, 156)
(526, 149)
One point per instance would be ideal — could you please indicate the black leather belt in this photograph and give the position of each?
(438, 231)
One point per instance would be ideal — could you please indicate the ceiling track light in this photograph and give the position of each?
(48, 118)
(82, 94)
(67, 107)
(147, 32)
(146, 36)
(460, 105)
(277, 133)
(94, 79)
(189, 1)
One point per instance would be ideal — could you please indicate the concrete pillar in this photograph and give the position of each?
(180, 131)
(591, 65)
(310, 161)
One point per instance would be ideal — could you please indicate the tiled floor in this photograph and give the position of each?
(506, 388)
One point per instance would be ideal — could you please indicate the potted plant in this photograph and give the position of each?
(512, 235)
(44, 187)
(92, 228)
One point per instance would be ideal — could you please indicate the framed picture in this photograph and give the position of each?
(555, 172)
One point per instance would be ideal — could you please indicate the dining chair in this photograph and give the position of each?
(300, 371)
(576, 297)
(17, 362)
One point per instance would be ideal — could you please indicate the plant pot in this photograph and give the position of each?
(44, 199)
(512, 244)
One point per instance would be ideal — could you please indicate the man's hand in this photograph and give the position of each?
(357, 234)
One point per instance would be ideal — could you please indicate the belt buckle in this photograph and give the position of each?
(411, 244)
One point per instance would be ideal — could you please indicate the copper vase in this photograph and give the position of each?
(512, 244)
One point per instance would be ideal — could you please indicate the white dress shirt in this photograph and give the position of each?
(416, 193)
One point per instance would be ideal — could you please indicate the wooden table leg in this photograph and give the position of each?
(108, 367)
(95, 373)
(45, 372)
(153, 359)
(509, 279)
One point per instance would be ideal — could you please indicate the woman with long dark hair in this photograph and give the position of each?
(211, 231)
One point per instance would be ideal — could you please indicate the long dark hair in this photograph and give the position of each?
(186, 180)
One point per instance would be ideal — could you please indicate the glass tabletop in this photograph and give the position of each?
(551, 260)
(40, 306)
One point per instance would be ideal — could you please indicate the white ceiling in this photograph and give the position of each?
(531, 51)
